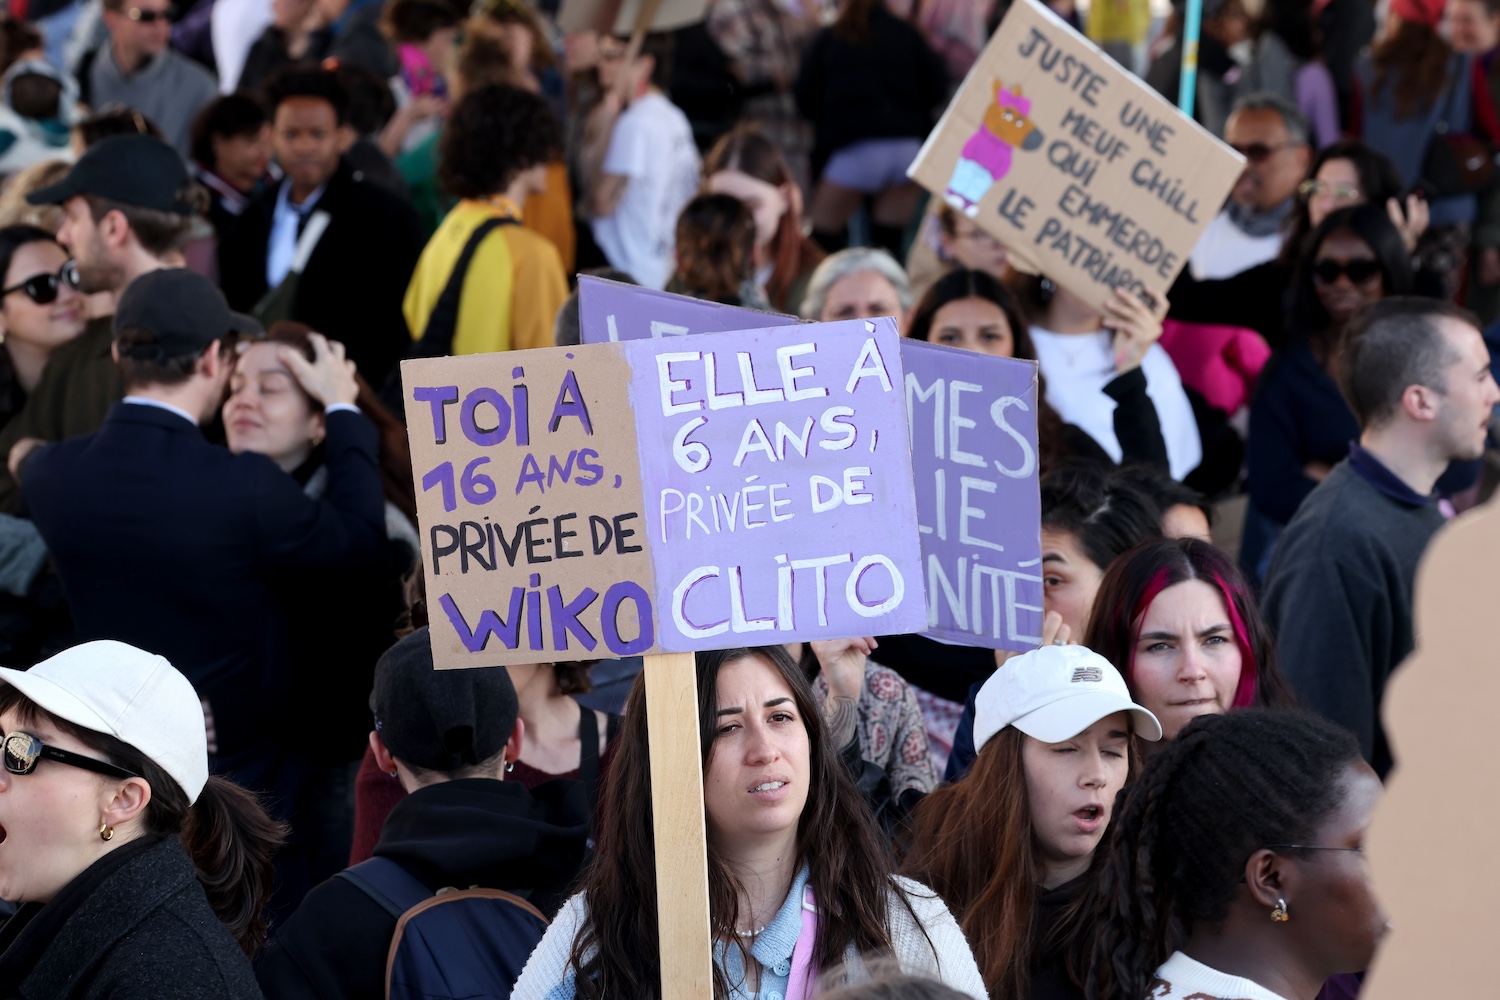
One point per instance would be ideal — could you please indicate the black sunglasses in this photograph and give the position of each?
(42, 288)
(1360, 270)
(146, 16)
(23, 751)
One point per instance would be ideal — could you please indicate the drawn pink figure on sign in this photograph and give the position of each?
(986, 157)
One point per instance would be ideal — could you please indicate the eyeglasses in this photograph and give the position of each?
(23, 751)
(1360, 271)
(1311, 847)
(1341, 191)
(1259, 152)
(146, 16)
(43, 288)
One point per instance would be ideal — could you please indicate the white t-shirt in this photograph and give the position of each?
(1181, 976)
(1077, 367)
(1224, 250)
(652, 145)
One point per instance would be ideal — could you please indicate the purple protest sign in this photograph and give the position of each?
(778, 485)
(610, 311)
(981, 547)
(974, 457)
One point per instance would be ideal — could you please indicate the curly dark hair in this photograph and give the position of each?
(227, 117)
(313, 82)
(1175, 854)
(493, 134)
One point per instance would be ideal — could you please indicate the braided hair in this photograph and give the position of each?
(1226, 787)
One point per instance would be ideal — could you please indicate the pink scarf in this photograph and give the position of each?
(802, 982)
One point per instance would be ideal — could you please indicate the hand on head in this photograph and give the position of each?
(329, 377)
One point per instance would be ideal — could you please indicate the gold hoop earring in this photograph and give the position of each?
(106, 832)
(1279, 913)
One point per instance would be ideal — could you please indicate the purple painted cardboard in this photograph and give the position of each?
(974, 458)
(610, 311)
(778, 485)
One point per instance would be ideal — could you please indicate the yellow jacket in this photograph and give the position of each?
(513, 290)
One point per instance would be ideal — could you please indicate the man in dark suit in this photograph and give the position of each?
(167, 542)
(358, 268)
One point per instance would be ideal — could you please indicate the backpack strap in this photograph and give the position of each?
(391, 886)
(442, 322)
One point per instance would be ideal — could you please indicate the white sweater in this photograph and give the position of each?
(548, 976)
(1180, 976)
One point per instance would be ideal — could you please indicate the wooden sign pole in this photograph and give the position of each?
(682, 918)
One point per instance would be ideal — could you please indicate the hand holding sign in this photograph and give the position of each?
(1135, 325)
(1074, 163)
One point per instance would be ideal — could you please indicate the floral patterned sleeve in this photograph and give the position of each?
(891, 733)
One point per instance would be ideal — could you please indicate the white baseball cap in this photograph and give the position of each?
(135, 696)
(1054, 693)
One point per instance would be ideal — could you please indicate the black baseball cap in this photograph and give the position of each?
(182, 309)
(440, 720)
(138, 170)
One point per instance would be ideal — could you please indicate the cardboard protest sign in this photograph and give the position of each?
(618, 17)
(972, 421)
(651, 496)
(1438, 714)
(611, 311)
(1075, 163)
(974, 454)
(530, 504)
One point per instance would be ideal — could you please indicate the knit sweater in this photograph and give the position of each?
(548, 975)
(1339, 599)
(1180, 976)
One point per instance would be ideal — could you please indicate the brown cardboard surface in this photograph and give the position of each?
(1075, 164)
(1431, 846)
(619, 16)
(533, 486)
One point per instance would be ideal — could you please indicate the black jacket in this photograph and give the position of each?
(168, 542)
(1339, 599)
(889, 88)
(134, 926)
(355, 280)
(473, 831)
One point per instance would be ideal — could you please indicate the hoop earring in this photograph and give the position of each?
(1279, 914)
(106, 832)
(510, 766)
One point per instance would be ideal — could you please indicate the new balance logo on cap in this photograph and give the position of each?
(1053, 693)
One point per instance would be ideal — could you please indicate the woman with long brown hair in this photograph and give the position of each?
(1412, 93)
(747, 164)
(1010, 844)
(798, 882)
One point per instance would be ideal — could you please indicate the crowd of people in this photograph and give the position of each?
(230, 768)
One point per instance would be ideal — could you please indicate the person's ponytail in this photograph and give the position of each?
(231, 840)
